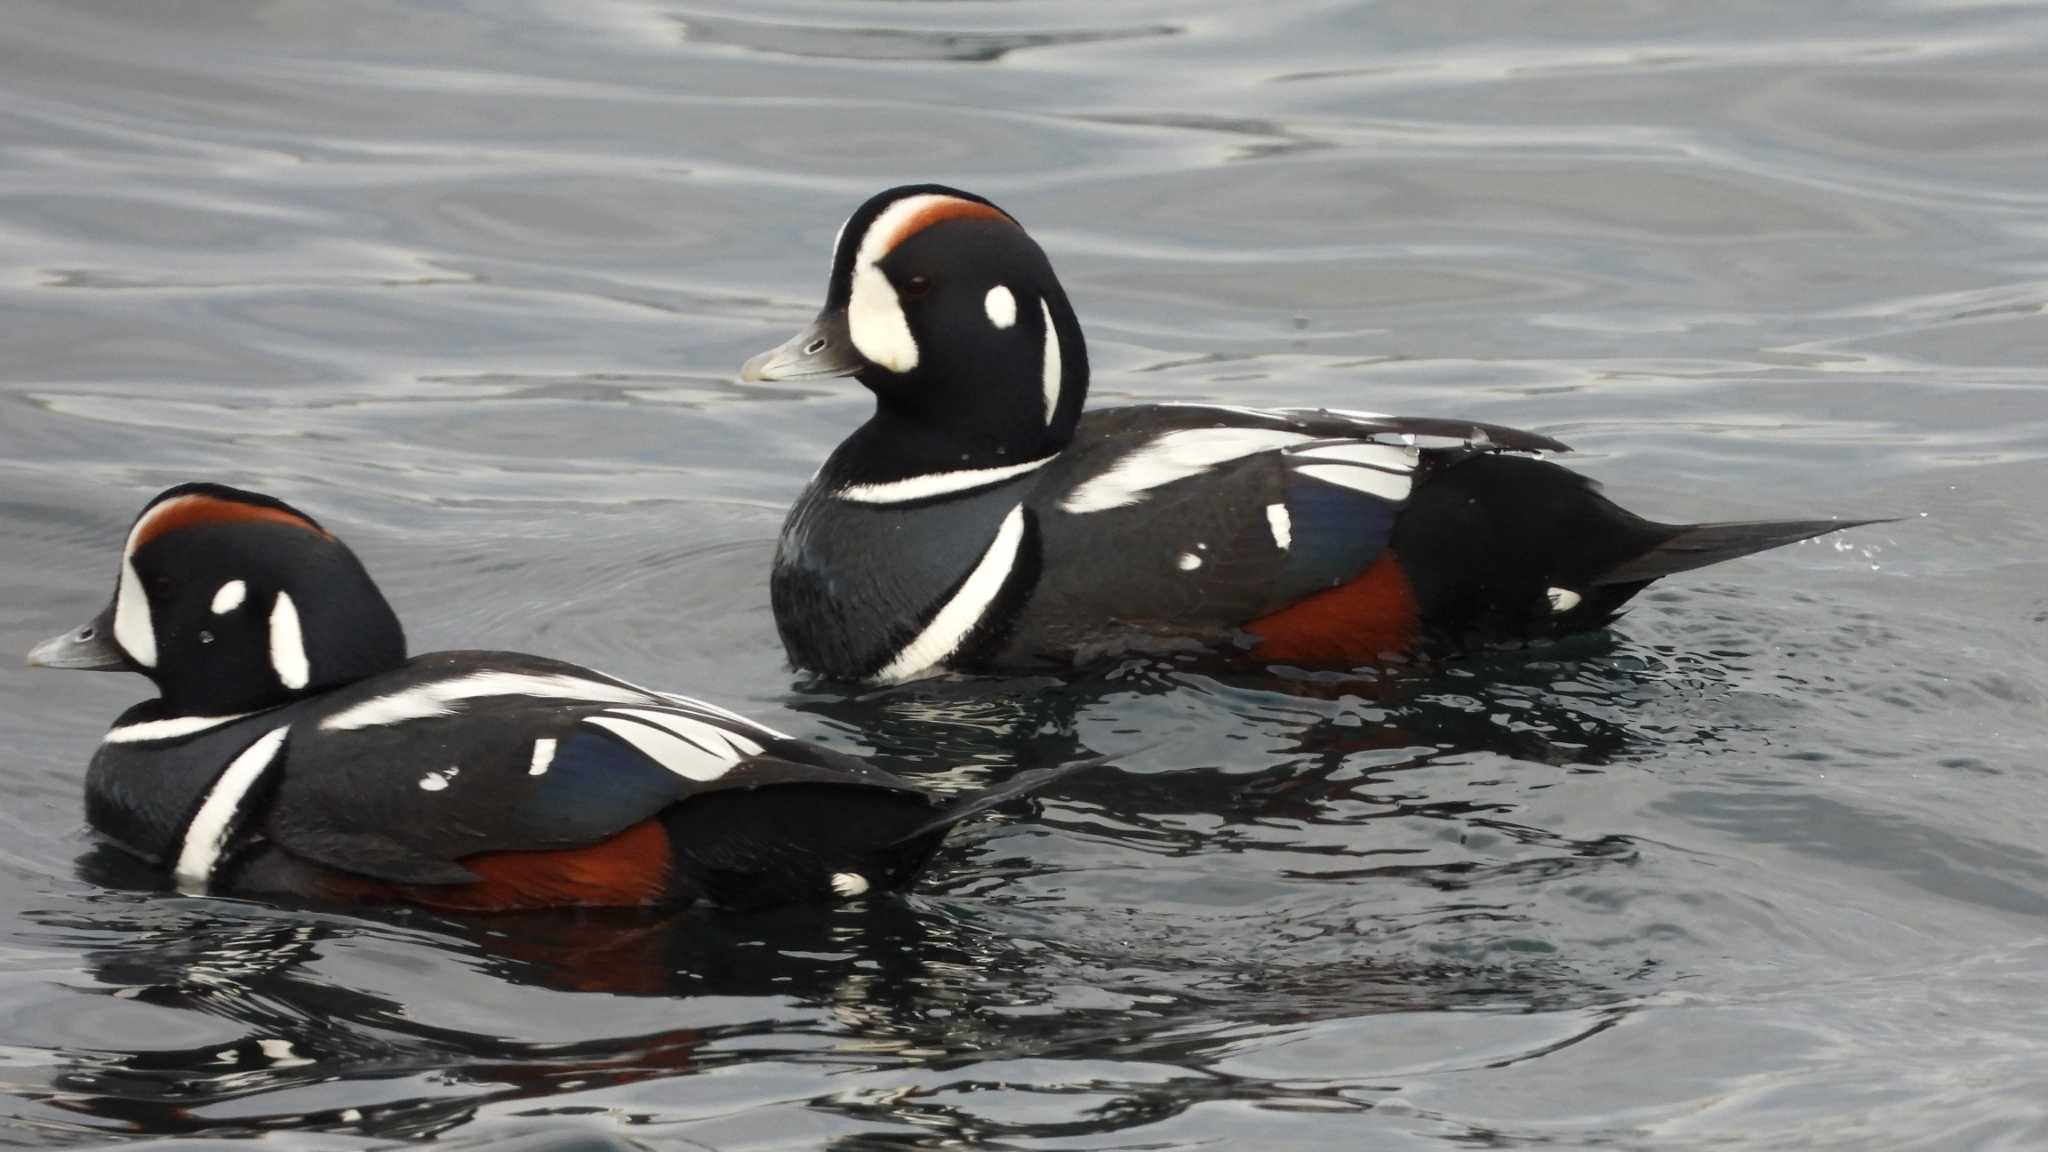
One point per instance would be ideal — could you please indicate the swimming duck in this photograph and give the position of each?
(983, 520)
(295, 750)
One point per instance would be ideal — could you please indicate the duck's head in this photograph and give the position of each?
(944, 307)
(233, 601)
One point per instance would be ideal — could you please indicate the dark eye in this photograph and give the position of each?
(916, 287)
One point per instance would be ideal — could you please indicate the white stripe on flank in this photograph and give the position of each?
(288, 644)
(229, 597)
(1049, 370)
(937, 483)
(664, 748)
(949, 628)
(543, 755)
(1370, 481)
(1281, 524)
(167, 729)
(207, 835)
(441, 697)
(134, 631)
(709, 737)
(1171, 457)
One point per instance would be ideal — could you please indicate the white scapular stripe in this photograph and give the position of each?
(1385, 457)
(847, 885)
(207, 835)
(1171, 457)
(288, 644)
(134, 631)
(949, 628)
(672, 752)
(229, 597)
(169, 729)
(1049, 369)
(697, 705)
(441, 697)
(1371, 481)
(543, 755)
(710, 737)
(1000, 306)
(1281, 524)
(937, 483)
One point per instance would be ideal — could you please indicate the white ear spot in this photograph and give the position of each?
(1562, 600)
(288, 644)
(1189, 561)
(229, 597)
(1049, 370)
(134, 631)
(1000, 306)
(849, 884)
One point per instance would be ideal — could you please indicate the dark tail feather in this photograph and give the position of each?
(1698, 545)
(975, 803)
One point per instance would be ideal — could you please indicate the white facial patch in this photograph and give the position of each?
(134, 630)
(950, 626)
(875, 321)
(207, 835)
(1049, 366)
(847, 885)
(438, 781)
(1281, 524)
(1000, 306)
(288, 644)
(1562, 600)
(1189, 562)
(1171, 457)
(229, 597)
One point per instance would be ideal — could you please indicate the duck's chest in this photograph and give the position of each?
(861, 588)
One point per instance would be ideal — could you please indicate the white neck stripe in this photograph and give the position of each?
(936, 483)
(169, 729)
(949, 628)
(207, 835)
(1050, 369)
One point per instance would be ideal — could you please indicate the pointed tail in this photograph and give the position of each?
(1698, 545)
(1022, 784)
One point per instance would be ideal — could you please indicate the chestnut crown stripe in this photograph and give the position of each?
(187, 511)
(908, 217)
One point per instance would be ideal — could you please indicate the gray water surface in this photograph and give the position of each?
(470, 282)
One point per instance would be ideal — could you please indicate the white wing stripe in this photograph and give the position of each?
(207, 835)
(1171, 457)
(949, 628)
(713, 739)
(1385, 457)
(1370, 481)
(441, 697)
(664, 748)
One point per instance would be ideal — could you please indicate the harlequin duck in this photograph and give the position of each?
(980, 520)
(295, 749)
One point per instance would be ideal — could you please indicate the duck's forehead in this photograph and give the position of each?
(905, 218)
(198, 508)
